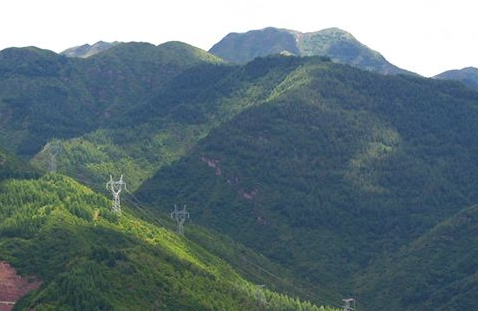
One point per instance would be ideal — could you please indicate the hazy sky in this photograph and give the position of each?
(425, 36)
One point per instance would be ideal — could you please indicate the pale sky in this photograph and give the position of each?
(425, 36)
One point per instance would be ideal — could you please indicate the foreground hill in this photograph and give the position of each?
(335, 43)
(335, 170)
(88, 258)
(468, 76)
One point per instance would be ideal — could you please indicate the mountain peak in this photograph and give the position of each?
(467, 75)
(336, 32)
(189, 51)
(470, 69)
(338, 44)
(86, 50)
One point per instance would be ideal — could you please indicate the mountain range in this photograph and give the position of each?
(314, 178)
(339, 45)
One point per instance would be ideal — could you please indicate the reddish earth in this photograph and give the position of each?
(13, 287)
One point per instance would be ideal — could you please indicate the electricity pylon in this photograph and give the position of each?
(54, 150)
(259, 295)
(116, 187)
(180, 217)
(349, 304)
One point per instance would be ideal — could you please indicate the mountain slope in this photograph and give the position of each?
(86, 50)
(12, 167)
(335, 43)
(88, 258)
(158, 131)
(324, 168)
(438, 270)
(468, 76)
(336, 169)
(242, 48)
(44, 95)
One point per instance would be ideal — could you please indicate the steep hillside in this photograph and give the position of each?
(12, 167)
(44, 95)
(86, 50)
(335, 43)
(156, 132)
(337, 168)
(468, 76)
(436, 271)
(327, 170)
(242, 48)
(34, 90)
(88, 258)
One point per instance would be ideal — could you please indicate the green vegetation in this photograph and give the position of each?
(343, 179)
(44, 95)
(91, 259)
(87, 50)
(335, 170)
(12, 167)
(468, 76)
(155, 133)
(335, 43)
(242, 48)
(437, 270)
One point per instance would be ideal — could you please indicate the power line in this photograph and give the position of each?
(139, 206)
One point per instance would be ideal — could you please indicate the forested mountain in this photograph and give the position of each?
(337, 170)
(155, 132)
(89, 258)
(86, 50)
(335, 43)
(468, 75)
(346, 180)
(44, 95)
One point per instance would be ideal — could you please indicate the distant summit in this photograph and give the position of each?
(338, 44)
(86, 50)
(468, 76)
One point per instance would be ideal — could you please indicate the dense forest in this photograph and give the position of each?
(89, 258)
(315, 179)
(339, 169)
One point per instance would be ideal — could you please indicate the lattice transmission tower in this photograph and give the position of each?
(349, 304)
(116, 186)
(53, 151)
(180, 216)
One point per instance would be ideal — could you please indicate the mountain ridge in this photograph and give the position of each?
(89, 91)
(467, 75)
(336, 169)
(86, 50)
(335, 43)
(324, 168)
